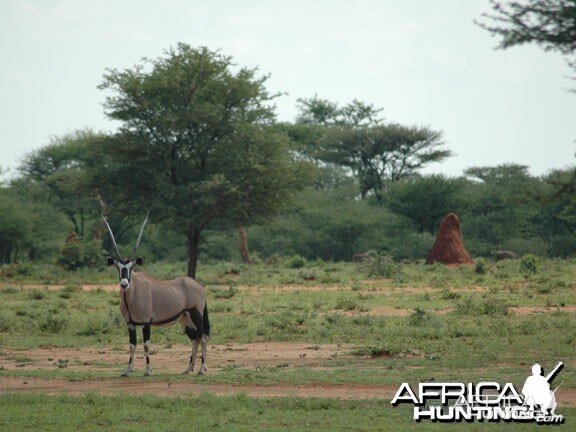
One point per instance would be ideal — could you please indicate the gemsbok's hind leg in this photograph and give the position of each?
(195, 331)
(202, 370)
(147, 345)
(190, 367)
(132, 336)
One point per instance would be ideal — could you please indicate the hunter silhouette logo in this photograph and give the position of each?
(537, 391)
(485, 401)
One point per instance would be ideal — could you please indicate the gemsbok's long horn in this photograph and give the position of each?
(112, 237)
(133, 254)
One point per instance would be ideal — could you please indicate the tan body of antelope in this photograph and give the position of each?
(147, 302)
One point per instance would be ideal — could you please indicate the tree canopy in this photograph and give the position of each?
(196, 144)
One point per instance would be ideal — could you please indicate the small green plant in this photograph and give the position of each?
(382, 265)
(446, 294)
(419, 317)
(9, 290)
(5, 322)
(481, 266)
(224, 293)
(491, 307)
(529, 264)
(344, 303)
(52, 323)
(36, 294)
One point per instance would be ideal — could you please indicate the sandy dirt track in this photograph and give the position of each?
(173, 360)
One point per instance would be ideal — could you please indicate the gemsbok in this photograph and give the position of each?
(146, 302)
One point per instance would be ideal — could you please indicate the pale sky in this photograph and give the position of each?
(425, 62)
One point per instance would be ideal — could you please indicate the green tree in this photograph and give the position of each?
(383, 154)
(196, 144)
(317, 111)
(501, 208)
(548, 23)
(63, 167)
(425, 200)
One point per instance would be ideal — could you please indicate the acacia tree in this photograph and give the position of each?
(63, 167)
(355, 136)
(383, 154)
(548, 23)
(195, 143)
(425, 200)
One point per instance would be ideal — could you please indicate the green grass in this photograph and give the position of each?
(477, 336)
(207, 412)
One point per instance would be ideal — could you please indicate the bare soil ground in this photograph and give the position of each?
(174, 360)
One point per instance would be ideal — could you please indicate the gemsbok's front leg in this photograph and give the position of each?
(132, 335)
(147, 345)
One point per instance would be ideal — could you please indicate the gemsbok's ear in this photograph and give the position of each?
(140, 261)
(110, 261)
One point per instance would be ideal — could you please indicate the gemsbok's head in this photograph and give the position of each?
(125, 266)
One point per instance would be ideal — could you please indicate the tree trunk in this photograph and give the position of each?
(193, 236)
(101, 227)
(243, 237)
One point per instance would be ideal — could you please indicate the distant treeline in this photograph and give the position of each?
(200, 149)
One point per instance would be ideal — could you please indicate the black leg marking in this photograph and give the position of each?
(197, 332)
(146, 332)
(192, 333)
(132, 335)
(198, 322)
(146, 336)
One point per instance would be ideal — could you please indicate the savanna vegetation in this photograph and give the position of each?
(268, 216)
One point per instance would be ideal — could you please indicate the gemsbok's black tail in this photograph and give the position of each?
(206, 321)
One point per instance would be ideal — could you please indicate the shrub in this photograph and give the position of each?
(79, 254)
(224, 293)
(36, 294)
(296, 262)
(344, 303)
(481, 266)
(52, 323)
(382, 265)
(491, 307)
(9, 290)
(5, 322)
(529, 264)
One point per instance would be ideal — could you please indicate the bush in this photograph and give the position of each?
(529, 264)
(224, 293)
(489, 307)
(381, 265)
(79, 254)
(52, 323)
(296, 262)
(418, 318)
(481, 266)
(5, 322)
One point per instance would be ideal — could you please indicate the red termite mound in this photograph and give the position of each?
(448, 247)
